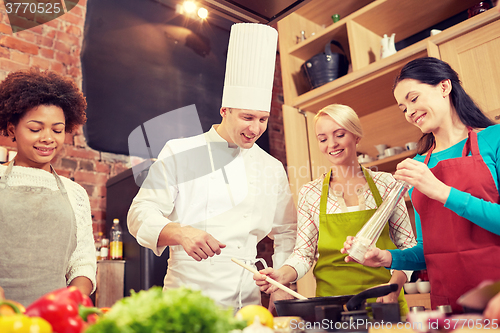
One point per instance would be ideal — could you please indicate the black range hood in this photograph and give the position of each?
(255, 11)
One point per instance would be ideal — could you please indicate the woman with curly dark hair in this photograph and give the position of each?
(45, 221)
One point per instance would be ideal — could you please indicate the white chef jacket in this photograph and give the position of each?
(239, 205)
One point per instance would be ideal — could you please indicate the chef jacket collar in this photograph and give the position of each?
(213, 136)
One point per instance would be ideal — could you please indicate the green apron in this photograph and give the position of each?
(333, 275)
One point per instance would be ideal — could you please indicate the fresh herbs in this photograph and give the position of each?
(180, 310)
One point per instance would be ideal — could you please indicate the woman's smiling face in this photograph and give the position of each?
(337, 143)
(39, 136)
(423, 104)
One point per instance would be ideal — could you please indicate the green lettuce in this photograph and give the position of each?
(180, 310)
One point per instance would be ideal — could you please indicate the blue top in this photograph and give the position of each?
(483, 213)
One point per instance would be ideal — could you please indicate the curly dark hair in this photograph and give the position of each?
(24, 90)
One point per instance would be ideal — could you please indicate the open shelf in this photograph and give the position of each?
(389, 164)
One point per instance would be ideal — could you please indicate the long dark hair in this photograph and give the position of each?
(432, 71)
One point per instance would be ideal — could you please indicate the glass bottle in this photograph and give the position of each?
(104, 249)
(367, 237)
(116, 250)
(98, 244)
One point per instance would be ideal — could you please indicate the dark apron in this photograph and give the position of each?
(458, 253)
(37, 237)
(333, 275)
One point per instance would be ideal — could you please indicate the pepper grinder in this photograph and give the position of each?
(367, 237)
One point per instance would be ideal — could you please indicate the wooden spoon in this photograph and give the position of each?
(268, 279)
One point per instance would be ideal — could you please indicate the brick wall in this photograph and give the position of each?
(56, 45)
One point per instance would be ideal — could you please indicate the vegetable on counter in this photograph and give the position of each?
(13, 321)
(177, 310)
(10, 307)
(62, 309)
(20, 323)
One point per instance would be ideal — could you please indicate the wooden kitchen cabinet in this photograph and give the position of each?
(110, 282)
(472, 47)
(367, 88)
(419, 300)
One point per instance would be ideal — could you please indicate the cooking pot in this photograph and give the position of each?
(329, 307)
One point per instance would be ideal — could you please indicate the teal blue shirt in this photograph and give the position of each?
(483, 213)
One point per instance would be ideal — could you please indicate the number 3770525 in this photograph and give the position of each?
(454, 323)
(26, 7)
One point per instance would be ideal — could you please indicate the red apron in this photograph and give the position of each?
(458, 253)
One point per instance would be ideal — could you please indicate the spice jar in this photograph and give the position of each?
(105, 249)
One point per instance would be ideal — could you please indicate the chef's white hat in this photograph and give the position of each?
(250, 64)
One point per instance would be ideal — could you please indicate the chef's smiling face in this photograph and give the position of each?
(337, 143)
(242, 127)
(424, 105)
(39, 136)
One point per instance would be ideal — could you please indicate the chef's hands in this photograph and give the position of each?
(375, 257)
(199, 244)
(2, 295)
(420, 176)
(492, 311)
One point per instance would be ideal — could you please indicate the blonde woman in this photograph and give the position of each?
(336, 205)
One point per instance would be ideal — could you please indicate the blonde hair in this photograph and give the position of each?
(342, 115)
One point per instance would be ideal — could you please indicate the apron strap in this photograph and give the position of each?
(3, 180)
(243, 272)
(471, 144)
(324, 194)
(428, 156)
(373, 188)
(326, 185)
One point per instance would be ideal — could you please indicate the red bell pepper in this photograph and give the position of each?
(61, 309)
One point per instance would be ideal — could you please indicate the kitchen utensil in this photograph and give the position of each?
(3, 154)
(410, 288)
(388, 312)
(337, 304)
(393, 151)
(370, 232)
(423, 287)
(411, 146)
(271, 281)
(419, 308)
(444, 309)
(381, 148)
(387, 46)
(365, 158)
(326, 66)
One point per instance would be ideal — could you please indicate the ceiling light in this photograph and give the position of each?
(202, 13)
(189, 6)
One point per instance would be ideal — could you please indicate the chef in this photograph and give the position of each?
(208, 218)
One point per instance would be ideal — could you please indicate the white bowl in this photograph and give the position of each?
(410, 288)
(423, 287)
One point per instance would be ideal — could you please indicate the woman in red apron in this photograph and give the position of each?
(45, 224)
(338, 204)
(455, 179)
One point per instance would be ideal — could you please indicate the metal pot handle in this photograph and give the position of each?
(357, 300)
